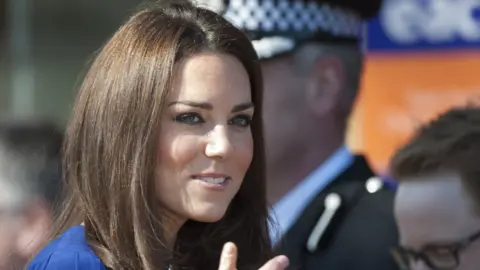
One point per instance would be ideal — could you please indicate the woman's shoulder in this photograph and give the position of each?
(69, 251)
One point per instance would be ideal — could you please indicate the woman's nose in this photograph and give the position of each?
(218, 143)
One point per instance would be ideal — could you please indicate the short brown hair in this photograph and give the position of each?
(450, 142)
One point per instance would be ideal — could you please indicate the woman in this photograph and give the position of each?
(164, 155)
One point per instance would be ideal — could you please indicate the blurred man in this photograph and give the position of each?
(29, 185)
(332, 214)
(437, 206)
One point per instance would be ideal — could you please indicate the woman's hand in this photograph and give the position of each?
(228, 260)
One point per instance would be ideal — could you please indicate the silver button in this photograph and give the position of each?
(374, 184)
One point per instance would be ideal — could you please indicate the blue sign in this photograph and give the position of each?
(425, 25)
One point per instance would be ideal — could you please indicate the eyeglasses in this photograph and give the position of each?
(436, 257)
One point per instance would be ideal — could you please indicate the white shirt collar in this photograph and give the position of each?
(286, 211)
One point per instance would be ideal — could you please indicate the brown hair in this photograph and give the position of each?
(449, 143)
(111, 146)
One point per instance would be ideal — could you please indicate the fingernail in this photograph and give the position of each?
(229, 248)
(283, 260)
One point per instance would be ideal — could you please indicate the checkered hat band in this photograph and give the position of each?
(277, 16)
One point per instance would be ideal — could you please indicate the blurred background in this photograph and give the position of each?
(422, 57)
(44, 47)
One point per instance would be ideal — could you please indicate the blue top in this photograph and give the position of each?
(69, 251)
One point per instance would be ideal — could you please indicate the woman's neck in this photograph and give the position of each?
(171, 227)
(170, 240)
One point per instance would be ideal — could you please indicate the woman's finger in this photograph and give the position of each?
(278, 263)
(228, 258)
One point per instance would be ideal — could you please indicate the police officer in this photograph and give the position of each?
(331, 212)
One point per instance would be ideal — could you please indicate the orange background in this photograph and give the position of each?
(403, 90)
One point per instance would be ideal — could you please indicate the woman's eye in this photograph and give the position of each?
(189, 118)
(241, 121)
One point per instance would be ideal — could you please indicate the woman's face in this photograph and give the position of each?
(205, 144)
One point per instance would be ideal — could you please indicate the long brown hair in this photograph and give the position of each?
(111, 146)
